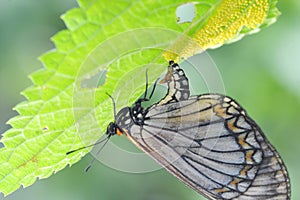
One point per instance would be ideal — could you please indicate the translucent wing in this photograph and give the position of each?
(211, 144)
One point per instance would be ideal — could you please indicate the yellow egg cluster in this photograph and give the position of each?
(226, 23)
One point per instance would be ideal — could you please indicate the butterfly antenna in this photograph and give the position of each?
(146, 89)
(114, 105)
(69, 152)
(91, 163)
(154, 86)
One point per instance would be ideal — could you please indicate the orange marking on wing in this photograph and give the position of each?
(249, 155)
(243, 172)
(235, 181)
(242, 142)
(221, 190)
(231, 126)
(220, 111)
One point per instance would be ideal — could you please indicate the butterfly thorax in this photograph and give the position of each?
(138, 112)
(124, 119)
(122, 123)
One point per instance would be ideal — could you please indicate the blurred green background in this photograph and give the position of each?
(261, 72)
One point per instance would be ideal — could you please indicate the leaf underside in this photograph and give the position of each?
(120, 39)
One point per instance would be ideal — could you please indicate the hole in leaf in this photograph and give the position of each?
(94, 81)
(185, 13)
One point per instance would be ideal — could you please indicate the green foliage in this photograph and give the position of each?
(120, 39)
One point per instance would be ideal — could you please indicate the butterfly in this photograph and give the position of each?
(207, 141)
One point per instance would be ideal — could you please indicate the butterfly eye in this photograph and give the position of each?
(111, 129)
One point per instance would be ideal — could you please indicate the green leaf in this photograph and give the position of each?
(119, 39)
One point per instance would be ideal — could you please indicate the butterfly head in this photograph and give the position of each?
(113, 129)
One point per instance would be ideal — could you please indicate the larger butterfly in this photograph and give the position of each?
(207, 141)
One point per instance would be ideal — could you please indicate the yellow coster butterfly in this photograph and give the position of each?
(207, 141)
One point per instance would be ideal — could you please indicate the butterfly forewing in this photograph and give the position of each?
(210, 143)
